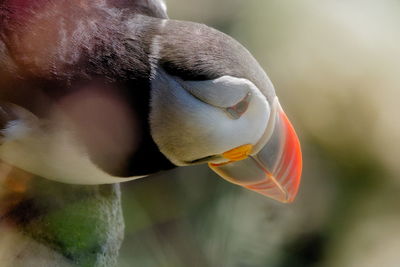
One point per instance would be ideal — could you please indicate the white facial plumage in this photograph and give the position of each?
(190, 120)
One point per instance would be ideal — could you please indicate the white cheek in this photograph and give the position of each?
(221, 133)
(187, 129)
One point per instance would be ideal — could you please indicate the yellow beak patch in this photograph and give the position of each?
(238, 153)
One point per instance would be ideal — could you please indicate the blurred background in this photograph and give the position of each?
(335, 67)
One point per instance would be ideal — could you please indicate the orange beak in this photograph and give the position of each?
(274, 170)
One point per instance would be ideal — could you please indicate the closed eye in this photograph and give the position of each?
(236, 111)
(227, 93)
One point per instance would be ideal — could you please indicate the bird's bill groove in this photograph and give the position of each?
(273, 171)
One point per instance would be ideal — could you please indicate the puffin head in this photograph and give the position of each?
(211, 102)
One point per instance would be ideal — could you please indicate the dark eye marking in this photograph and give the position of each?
(236, 111)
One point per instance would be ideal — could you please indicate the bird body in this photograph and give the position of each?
(85, 55)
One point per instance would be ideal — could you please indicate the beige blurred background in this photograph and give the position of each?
(335, 68)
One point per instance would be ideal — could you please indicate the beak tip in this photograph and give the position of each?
(279, 194)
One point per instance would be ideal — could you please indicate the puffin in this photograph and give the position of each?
(107, 91)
